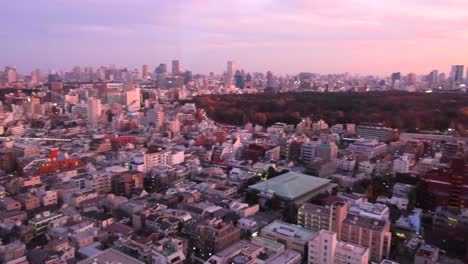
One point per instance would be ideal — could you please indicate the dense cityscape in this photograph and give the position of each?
(118, 165)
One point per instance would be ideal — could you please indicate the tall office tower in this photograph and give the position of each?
(411, 79)
(231, 69)
(188, 77)
(10, 73)
(39, 75)
(240, 79)
(145, 71)
(162, 68)
(94, 110)
(433, 77)
(270, 79)
(456, 74)
(101, 73)
(396, 76)
(442, 77)
(175, 67)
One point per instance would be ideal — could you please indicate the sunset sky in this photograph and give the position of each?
(285, 36)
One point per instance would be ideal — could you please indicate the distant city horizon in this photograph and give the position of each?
(355, 36)
(223, 70)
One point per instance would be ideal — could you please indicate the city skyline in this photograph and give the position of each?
(360, 36)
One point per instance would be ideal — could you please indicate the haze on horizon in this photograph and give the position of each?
(333, 36)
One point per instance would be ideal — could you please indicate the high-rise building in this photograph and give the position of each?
(324, 248)
(231, 69)
(411, 79)
(396, 76)
(188, 77)
(94, 110)
(433, 77)
(456, 74)
(10, 73)
(442, 77)
(239, 79)
(145, 71)
(270, 79)
(175, 67)
(162, 68)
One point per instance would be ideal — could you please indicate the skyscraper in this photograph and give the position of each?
(162, 68)
(231, 69)
(175, 67)
(270, 79)
(188, 77)
(433, 77)
(94, 110)
(10, 73)
(145, 71)
(396, 78)
(411, 79)
(456, 74)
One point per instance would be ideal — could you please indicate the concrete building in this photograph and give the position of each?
(427, 254)
(324, 248)
(292, 236)
(403, 164)
(40, 222)
(110, 256)
(383, 134)
(292, 187)
(328, 217)
(94, 111)
(133, 99)
(213, 236)
(368, 232)
(168, 251)
(367, 149)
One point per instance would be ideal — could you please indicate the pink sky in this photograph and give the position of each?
(285, 36)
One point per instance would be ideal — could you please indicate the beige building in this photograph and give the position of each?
(328, 217)
(324, 248)
(371, 233)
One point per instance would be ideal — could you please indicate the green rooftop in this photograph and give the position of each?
(291, 185)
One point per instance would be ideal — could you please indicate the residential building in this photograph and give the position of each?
(368, 232)
(324, 247)
(292, 236)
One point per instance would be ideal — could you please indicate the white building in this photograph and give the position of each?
(403, 164)
(367, 149)
(133, 100)
(324, 248)
(168, 251)
(94, 110)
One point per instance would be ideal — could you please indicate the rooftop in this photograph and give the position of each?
(290, 230)
(365, 222)
(291, 185)
(110, 256)
(351, 247)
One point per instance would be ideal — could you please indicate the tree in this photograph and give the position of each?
(271, 172)
(251, 197)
